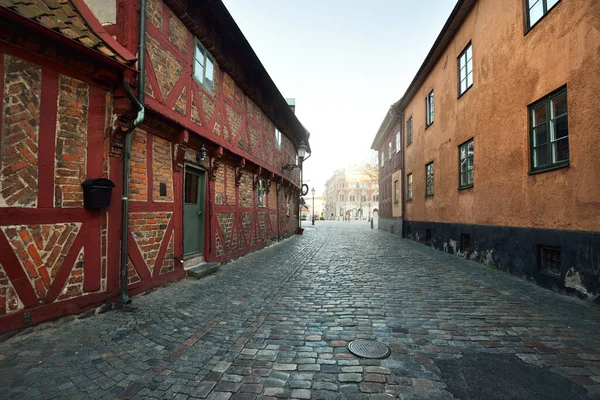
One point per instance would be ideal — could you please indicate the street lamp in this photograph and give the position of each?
(302, 149)
(313, 206)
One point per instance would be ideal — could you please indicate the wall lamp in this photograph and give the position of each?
(202, 153)
(301, 154)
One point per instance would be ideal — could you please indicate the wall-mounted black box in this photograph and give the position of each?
(97, 192)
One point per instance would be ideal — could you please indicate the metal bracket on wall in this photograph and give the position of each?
(181, 144)
(238, 172)
(215, 163)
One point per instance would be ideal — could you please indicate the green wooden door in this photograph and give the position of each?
(193, 211)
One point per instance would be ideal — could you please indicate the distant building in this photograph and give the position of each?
(499, 132)
(351, 193)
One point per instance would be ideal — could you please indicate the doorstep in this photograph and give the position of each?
(203, 270)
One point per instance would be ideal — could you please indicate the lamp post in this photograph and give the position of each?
(302, 149)
(313, 205)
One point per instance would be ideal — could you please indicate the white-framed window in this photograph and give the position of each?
(277, 139)
(398, 142)
(465, 70)
(352, 197)
(204, 67)
(287, 207)
(375, 197)
(382, 157)
(409, 187)
(363, 197)
(390, 151)
(536, 9)
(429, 109)
(341, 197)
(261, 193)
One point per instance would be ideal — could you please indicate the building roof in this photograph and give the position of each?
(452, 25)
(72, 20)
(212, 24)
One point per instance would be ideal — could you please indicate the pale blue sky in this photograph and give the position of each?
(344, 62)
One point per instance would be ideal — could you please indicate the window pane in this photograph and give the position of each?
(470, 65)
(559, 105)
(560, 128)
(536, 11)
(540, 156)
(463, 85)
(540, 136)
(199, 56)
(209, 76)
(191, 189)
(469, 53)
(539, 115)
(560, 150)
(550, 4)
(463, 152)
(198, 71)
(469, 79)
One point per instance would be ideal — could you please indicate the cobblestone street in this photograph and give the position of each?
(276, 324)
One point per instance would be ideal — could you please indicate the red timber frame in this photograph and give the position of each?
(163, 105)
(92, 221)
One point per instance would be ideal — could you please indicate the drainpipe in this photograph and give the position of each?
(139, 103)
(403, 174)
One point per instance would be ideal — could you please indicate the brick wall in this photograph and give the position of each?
(230, 185)
(149, 230)
(71, 142)
(9, 301)
(138, 188)
(20, 126)
(162, 169)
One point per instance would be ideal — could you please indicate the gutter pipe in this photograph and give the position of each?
(139, 103)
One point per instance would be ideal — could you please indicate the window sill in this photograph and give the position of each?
(427, 196)
(409, 200)
(466, 187)
(204, 88)
(527, 30)
(463, 93)
(427, 126)
(552, 168)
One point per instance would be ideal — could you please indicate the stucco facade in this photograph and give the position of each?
(350, 193)
(512, 215)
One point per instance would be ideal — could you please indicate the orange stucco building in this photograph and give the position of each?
(500, 135)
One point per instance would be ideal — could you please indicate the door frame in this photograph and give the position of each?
(206, 206)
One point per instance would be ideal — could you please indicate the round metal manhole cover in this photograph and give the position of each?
(369, 348)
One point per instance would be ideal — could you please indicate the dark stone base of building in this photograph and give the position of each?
(390, 225)
(561, 260)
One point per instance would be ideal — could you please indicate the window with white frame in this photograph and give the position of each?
(409, 186)
(536, 9)
(382, 157)
(341, 197)
(277, 139)
(352, 197)
(375, 197)
(261, 191)
(204, 67)
(429, 109)
(409, 131)
(465, 70)
(429, 179)
(363, 197)
(465, 151)
(398, 142)
(390, 151)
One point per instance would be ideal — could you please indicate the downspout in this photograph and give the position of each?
(403, 174)
(139, 103)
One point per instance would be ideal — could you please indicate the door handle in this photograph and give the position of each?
(200, 213)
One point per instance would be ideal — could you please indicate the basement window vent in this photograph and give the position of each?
(408, 230)
(549, 259)
(428, 235)
(465, 242)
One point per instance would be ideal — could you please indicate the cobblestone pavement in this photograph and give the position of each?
(276, 323)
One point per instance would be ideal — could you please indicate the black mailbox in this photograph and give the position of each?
(97, 192)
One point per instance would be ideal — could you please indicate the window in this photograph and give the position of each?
(204, 67)
(341, 197)
(549, 132)
(341, 185)
(363, 197)
(390, 151)
(429, 109)
(287, 207)
(409, 130)
(536, 9)
(352, 197)
(396, 192)
(381, 156)
(465, 70)
(277, 139)
(261, 189)
(465, 154)
(409, 187)
(465, 242)
(429, 179)
(398, 142)
(376, 197)
(549, 259)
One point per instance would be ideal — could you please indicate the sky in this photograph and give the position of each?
(345, 64)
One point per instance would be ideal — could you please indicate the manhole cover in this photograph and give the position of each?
(368, 348)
